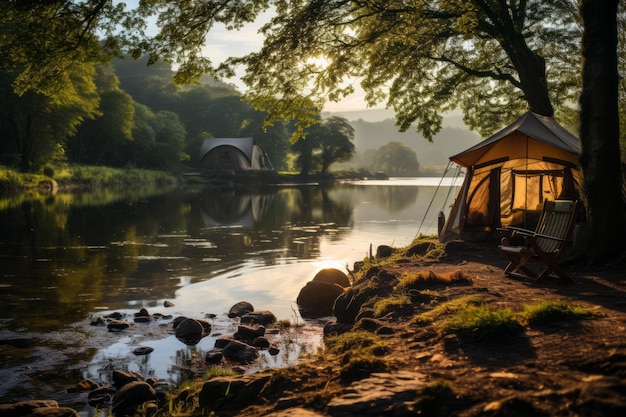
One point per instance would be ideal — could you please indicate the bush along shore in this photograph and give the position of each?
(81, 177)
(430, 329)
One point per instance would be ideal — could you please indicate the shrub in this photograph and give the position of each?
(48, 171)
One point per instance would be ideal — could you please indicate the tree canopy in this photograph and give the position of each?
(493, 59)
(325, 143)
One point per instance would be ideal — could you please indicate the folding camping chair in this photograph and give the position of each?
(546, 245)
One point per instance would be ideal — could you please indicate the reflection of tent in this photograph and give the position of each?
(233, 208)
(235, 154)
(510, 174)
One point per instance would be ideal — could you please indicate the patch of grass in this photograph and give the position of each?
(425, 280)
(391, 303)
(426, 247)
(480, 323)
(361, 353)
(355, 340)
(215, 371)
(283, 324)
(552, 311)
(361, 364)
(449, 307)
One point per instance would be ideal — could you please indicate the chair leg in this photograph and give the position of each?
(517, 264)
(557, 270)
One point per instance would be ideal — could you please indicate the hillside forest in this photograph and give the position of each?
(127, 113)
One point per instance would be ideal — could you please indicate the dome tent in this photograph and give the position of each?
(235, 154)
(510, 174)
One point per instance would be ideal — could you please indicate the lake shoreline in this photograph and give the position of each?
(568, 367)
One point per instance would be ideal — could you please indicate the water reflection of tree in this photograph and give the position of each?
(393, 199)
(67, 257)
(268, 224)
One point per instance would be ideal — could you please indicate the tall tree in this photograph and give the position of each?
(325, 143)
(599, 132)
(36, 126)
(103, 139)
(394, 158)
(336, 142)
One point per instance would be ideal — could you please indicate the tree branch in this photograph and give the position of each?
(496, 75)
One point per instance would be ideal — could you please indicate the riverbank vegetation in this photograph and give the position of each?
(81, 177)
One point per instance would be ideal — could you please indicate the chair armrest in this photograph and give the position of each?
(518, 230)
(552, 238)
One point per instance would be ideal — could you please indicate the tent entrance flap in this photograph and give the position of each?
(483, 203)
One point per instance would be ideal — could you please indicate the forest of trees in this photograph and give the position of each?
(134, 115)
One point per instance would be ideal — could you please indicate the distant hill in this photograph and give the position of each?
(372, 132)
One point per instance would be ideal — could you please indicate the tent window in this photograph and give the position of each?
(532, 188)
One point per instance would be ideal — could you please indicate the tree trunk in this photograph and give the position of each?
(604, 237)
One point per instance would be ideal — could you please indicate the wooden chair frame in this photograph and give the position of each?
(546, 245)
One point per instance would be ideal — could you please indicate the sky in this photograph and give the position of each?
(222, 43)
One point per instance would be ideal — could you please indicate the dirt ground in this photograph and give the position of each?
(568, 368)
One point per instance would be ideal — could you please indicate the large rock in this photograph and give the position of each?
(100, 396)
(377, 283)
(190, 332)
(224, 391)
(121, 378)
(332, 276)
(35, 407)
(240, 352)
(131, 396)
(240, 309)
(316, 298)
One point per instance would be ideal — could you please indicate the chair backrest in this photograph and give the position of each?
(557, 220)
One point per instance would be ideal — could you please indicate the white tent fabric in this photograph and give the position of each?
(510, 174)
(235, 154)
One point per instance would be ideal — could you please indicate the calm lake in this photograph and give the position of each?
(70, 258)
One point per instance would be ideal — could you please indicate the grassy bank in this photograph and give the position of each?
(84, 177)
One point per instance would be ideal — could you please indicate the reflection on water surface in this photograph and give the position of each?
(69, 258)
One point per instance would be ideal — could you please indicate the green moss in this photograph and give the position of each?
(392, 303)
(480, 323)
(448, 307)
(551, 311)
(354, 341)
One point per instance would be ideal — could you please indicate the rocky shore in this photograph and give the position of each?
(400, 346)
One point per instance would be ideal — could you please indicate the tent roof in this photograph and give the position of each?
(541, 129)
(245, 145)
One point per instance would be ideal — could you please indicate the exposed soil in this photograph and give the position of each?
(567, 368)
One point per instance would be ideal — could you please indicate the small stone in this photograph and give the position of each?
(143, 350)
(118, 326)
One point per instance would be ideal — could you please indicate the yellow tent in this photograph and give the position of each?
(510, 174)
